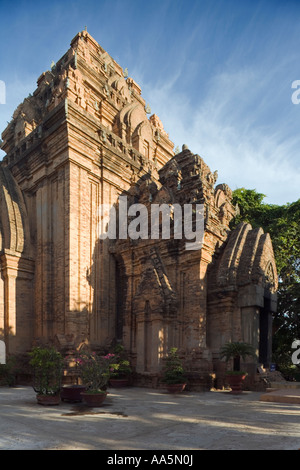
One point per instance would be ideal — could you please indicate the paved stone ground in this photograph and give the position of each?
(286, 395)
(148, 419)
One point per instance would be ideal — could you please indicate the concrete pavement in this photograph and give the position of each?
(149, 419)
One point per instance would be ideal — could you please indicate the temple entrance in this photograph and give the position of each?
(121, 290)
(265, 333)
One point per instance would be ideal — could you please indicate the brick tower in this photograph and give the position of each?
(81, 140)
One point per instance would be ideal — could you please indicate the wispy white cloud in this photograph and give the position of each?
(217, 73)
(229, 129)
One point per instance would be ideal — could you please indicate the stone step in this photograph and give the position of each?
(283, 395)
(286, 384)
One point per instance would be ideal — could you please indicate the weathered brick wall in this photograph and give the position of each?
(81, 140)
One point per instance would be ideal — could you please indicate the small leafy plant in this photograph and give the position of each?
(9, 371)
(173, 372)
(47, 364)
(120, 368)
(94, 371)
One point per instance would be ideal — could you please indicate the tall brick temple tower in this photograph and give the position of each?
(82, 139)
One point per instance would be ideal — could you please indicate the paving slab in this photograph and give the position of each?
(147, 419)
(283, 395)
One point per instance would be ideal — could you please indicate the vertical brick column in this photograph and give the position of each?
(17, 273)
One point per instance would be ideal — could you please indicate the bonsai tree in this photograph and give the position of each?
(236, 351)
(173, 372)
(47, 364)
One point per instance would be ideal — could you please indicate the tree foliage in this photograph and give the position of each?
(282, 222)
(173, 372)
(236, 351)
(47, 364)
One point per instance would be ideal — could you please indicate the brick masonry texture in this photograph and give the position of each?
(83, 139)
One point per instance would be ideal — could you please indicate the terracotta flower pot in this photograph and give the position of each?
(118, 383)
(72, 393)
(175, 388)
(48, 400)
(235, 381)
(93, 399)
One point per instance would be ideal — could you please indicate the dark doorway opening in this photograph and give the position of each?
(265, 333)
(121, 290)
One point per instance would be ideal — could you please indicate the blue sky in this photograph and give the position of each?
(218, 73)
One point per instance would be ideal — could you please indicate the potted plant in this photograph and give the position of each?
(71, 392)
(120, 369)
(94, 372)
(173, 372)
(47, 364)
(236, 351)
